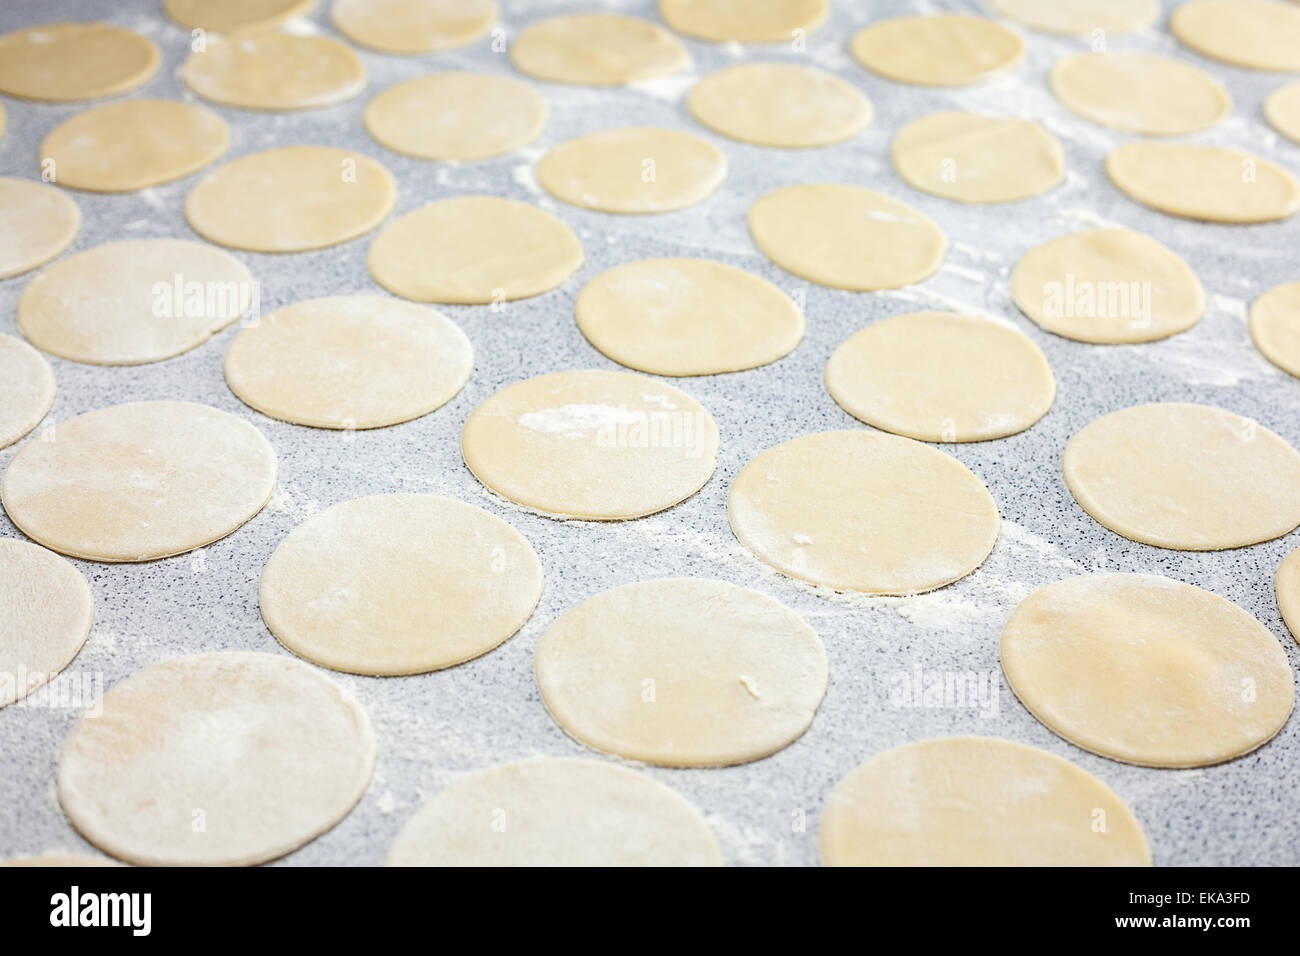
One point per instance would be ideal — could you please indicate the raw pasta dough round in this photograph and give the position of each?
(60, 859)
(744, 21)
(28, 392)
(976, 801)
(139, 481)
(61, 62)
(556, 812)
(1256, 34)
(231, 15)
(863, 511)
(1077, 17)
(687, 317)
(275, 71)
(1282, 109)
(1140, 92)
(263, 750)
(1275, 326)
(37, 222)
(1287, 585)
(399, 584)
(1187, 477)
(591, 444)
(597, 49)
(944, 49)
(682, 672)
(413, 26)
(779, 104)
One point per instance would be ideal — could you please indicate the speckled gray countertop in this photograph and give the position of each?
(434, 727)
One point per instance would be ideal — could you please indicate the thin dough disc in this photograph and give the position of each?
(1275, 326)
(556, 812)
(413, 26)
(944, 49)
(1079, 17)
(1209, 183)
(976, 801)
(1187, 477)
(268, 750)
(139, 481)
(1287, 584)
(940, 376)
(121, 304)
(231, 15)
(61, 62)
(456, 116)
(1140, 92)
(978, 159)
(291, 199)
(687, 317)
(863, 511)
(597, 49)
(1256, 34)
(47, 613)
(28, 392)
(37, 222)
(349, 361)
(473, 250)
(399, 584)
(275, 71)
(779, 104)
(1282, 110)
(733, 675)
(591, 444)
(744, 21)
(60, 859)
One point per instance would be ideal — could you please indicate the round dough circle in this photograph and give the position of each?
(349, 361)
(940, 376)
(139, 481)
(399, 584)
(863, 511)
(556, 812)
(943, 49)
(1287, 586)
(47, 613)
(28, 392)
(413, 26)
(779, 104)
(633, 169)
(1282, 110)
(1091, 286)
(37, 222)
(60, 859)
(1078, 17)
(978, 159)
(474, 250)
(1140, 92)
(687, 317)
(231, 15)
(1275, 326)
(1256, 34)
(1208, 183)
(735, 675)
(62, 62)
(744, 21)
(269, 750)
(275, 71)
(976, 801)
(121, 304)
(591, 444)
(846, 237)
(291, 199)
(597, 49)
(456, 116)
(1186, 477)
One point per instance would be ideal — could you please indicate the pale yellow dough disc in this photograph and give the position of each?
(1209, 183)
(399, 584)
(863, 511)
(846, 237)
(291, 199)
(591, 444)
(978, 159)
(1287, 585)
(1078, 17)
(976, 801)
(61, 62)
(940, 376)
(264, 751)
(123, 304)
(779, 104)
(1256, 34)
(275, 71)
(37, 222)
(1282, 109)
(687, 317)
(682, 672)
(944, 49)
(228, 16)
(139, 481)
(1275, 326)
(349, 361)
(744, 21)
(413, 26)
(1187, 477)
(473, 250)
(60, 859)
(28, 392)
(456, 116)
(1140, 92)
(597, 49)
(556, 812)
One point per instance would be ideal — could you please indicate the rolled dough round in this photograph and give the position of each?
(60, 859)
(597, 49)
(61, 62)
(37, 222)
(744, 21)
(1077, 17)
(413, 26)
(1282, 109)
(28, 392)
(943, 49)
(1275, 326)
(1256, 34)
(1287, 585)
(275, 71)
(231, 15)
(1140, 92)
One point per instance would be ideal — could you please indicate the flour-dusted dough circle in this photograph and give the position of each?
(682, 672)
(413, 26)
(1282, 109)
(633, 169)
(60, 859)
(1275, 327)
(976, 801)
(28, 392)
(846, 237)
(456, 116)
(267, 751)
(744, 21)
(597, 49)
(275, 71)
(556, 812)
(231, 15)
(1140, 92)
(1208, 183)
(941, 376)
(1187, 477)
(349, 361)
(139, 481)
(1287, 585)
(122, 304)
(1256, 34)
(37, 222)
(62, 62)
(978, 159)
(603, 446)
(472, 250)
(863, 511)
(687, 317)
(1079, 17)
(399, 584)
(943, 49)
(1108, 286)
